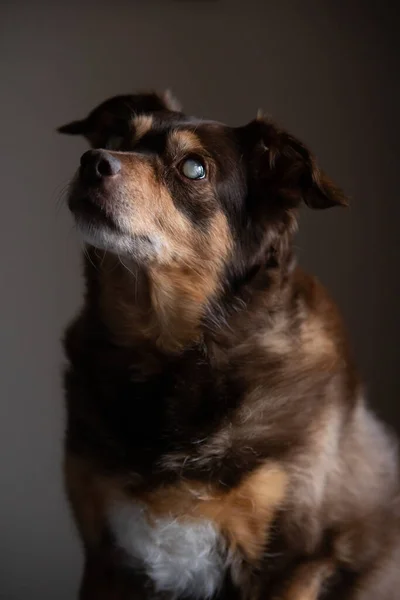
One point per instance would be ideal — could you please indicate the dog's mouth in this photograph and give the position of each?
(90, 209)
(93, 195)
(104, 211)
(102, 222)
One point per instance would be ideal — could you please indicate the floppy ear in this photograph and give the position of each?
(283, 166)
(318, 191)
(108, 118)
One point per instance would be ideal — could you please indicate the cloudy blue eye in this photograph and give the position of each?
(193, 169)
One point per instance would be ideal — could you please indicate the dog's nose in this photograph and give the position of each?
(98, 164)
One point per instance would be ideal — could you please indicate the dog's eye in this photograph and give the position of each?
(193, 168)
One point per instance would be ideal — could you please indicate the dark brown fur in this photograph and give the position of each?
(214, 379)
(109, 120)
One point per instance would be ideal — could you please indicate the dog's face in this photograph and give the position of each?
(172, 195)
(195, 193)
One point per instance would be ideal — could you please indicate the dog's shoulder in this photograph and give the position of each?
(318, 314)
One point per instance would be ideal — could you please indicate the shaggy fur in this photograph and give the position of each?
(218, 442)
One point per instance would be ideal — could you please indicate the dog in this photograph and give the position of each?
(218, 441)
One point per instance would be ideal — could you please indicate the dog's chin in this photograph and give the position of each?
(110, 238)
(103, 237)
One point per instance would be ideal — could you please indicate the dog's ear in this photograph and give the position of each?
(107, 120)
(282, 167)
(171, 102)
(74, 128)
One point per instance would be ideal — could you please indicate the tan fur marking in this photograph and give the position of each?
(149, 209)
(308, 581)
(314, 344)
(243, 514)
(276, 340)
(179, 299)
(90, 495)
(185, 275)
(180, 294)
(316, 341)
(141, 124)
(86, 494)
(184, 142)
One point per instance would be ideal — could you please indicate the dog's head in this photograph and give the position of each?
(176, 182)
(208, 202)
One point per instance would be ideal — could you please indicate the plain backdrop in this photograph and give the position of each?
(326, 69)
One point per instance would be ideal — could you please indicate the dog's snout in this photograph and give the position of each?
(97, 165)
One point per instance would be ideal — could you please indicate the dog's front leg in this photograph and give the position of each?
(103, 580)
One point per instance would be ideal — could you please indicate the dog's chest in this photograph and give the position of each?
(181, 557)
(150, 416)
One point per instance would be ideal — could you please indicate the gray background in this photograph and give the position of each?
(327, 70)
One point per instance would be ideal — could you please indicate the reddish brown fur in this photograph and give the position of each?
(213, 378)
(308, 581)
(241, 514)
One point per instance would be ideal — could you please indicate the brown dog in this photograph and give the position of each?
(218, 443)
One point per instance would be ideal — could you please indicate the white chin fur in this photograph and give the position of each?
(118, 242)
(104, 238)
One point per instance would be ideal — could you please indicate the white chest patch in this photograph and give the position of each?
(183, 558)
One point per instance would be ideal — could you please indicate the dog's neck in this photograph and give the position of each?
(173, 307)
(162, 305)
